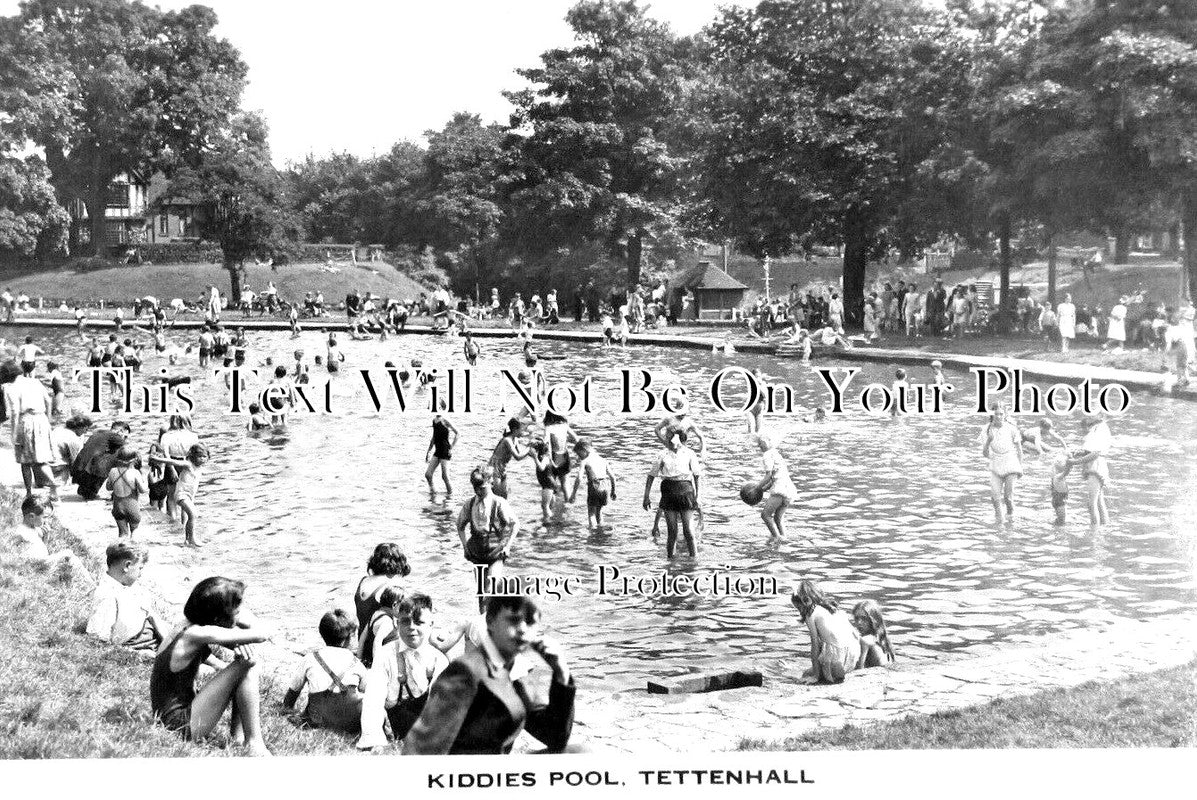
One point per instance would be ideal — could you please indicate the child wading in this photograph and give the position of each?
(127, 484)
(492, 528)
(440, 451)
(186, 487)
(600, 483)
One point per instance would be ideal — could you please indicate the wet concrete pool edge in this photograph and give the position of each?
(636, 722)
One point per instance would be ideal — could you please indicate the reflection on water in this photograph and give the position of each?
(896, 510)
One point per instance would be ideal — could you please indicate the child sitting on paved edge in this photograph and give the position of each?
(334, 677)
(834, 643)
(403, 671)
(875, 647)
(120, 613)
(600, 482)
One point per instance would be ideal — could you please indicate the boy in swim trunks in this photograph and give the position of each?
(600, 483)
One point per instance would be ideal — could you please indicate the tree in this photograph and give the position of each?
(460, 199)
(109, 86)
(591, 144)
(31, 220)
(246, 209)
(826, 121)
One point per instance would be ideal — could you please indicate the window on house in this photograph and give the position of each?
(163, 224)
(118, 195)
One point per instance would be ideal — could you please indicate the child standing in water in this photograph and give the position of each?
(214, 616)
(1061, 466)
(899, 389)
(440, 451)
(835, 647)
(544, 478)
(600, 483)
(776, 481)
(127, 484)
(875, 648)
(471, 349)
(186, 487)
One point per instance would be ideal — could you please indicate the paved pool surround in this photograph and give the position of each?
(635, 721)
(1039, 370)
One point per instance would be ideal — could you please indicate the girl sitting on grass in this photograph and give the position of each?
(186, 487)
(834, 644)
(875, 649)
(214, 616)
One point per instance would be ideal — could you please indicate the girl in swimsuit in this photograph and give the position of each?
(126, 483)
(386, 565)
(544, 478)
(186, 487)
(440, 451)
(1003, 448)
(214, 616)
(507, 449)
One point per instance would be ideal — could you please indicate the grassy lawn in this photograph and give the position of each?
(1154, 710)
(167, 281)
(65, 695)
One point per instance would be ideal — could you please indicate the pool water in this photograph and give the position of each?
(894, 510)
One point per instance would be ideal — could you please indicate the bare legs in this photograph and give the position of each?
(237, 683)
(773, 514)
(686, 518)
(444, 465)
(1001, 489)
(187, 512)
(1098, 514)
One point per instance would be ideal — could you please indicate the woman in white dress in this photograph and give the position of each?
(1066, 320)
(1116, 330)
(1003, 448)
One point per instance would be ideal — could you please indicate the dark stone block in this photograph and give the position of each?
(710, 682)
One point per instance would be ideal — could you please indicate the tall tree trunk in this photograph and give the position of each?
(856, 261)
(1122, 243)
(1051, 267)
(1173, 248)
(634, 259)
(1188, 223)
(1006, 310)
(235, 269)
(97, 209)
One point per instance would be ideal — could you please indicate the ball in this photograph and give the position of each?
(750, 494)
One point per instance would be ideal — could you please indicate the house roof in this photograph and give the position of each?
(706, 275)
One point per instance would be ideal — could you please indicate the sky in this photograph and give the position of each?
(359, 75)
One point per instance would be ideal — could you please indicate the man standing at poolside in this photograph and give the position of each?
(482, 701)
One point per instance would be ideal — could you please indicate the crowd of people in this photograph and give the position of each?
(398, 669)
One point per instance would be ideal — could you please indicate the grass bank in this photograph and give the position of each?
(1158, 709)
(66, 695)
(167, 281)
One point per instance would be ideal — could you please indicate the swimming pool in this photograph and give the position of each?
(894, 510)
